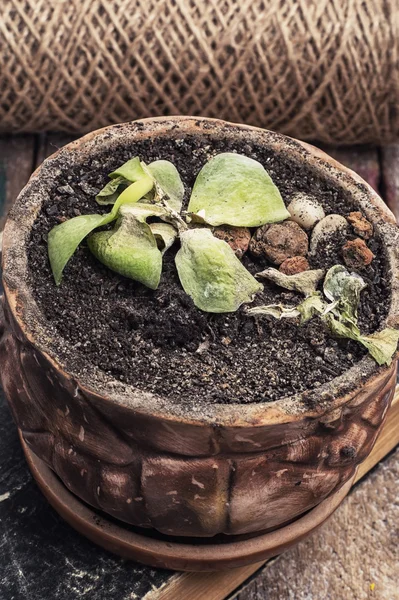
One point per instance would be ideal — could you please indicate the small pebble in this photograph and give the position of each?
(294, 265)
(88, 189)
(238, 238)
(361, 226)
(305, 210)
(279, 241)
(356, 254)
(327, 227)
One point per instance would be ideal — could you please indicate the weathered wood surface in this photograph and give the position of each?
(16, 164)
(390, 177)
(70, 567)
(355, 556)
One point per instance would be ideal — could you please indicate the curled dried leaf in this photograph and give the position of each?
(278, 311)
(311, 306)
(306, 282)
(343, 289)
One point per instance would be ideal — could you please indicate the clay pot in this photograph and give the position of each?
(235, 469)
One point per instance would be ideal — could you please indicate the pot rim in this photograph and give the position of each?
(28, 317)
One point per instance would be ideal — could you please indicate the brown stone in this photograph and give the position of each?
(279, 241)
(361, 226)
(294, 265)
(238, 238)
(356, 254)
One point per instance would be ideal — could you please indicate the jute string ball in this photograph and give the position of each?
(314, 69)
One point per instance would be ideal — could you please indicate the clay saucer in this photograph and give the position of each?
(164, 552)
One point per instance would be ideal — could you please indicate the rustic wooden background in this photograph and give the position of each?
(354, 556)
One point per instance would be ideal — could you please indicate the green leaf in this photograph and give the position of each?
(165, 235)
(168, 179)
(63, 239)
(305, 282)
(211, 273)
(130, 249)
(381, 345)
(232, 189)
(130, 170)
(343, 288)
(278, 311)
(111, 191)
(311, 306)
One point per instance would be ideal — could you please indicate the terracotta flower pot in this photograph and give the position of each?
(235, 469)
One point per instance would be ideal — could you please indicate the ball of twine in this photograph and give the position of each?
(314, 69)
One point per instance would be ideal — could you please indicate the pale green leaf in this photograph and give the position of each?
(130, 170)
(211, 273)
(305, 282)
(381, 345)
(63, 239)
(311, 306)
(278, 311)
(232, 189)
(168, 179)
(111, 191)
(130, 249)
(165, 235)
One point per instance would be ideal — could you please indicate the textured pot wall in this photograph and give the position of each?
(210, 480)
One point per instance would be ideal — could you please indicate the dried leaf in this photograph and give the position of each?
(311, 306)
(232, 189)
(211, 273)
(381, 345)
(164, 234)
(344, 288)
(278, 311)
(130, 249)
(305, 282)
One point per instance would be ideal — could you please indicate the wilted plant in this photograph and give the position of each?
(231, 189)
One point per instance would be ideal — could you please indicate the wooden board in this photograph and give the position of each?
(16, 164)
(390, 177)
(216, 586)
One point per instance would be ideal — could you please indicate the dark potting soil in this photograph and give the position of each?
(158, 340)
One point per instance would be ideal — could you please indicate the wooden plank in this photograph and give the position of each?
(361, 159)
(390, 173)
(216, 586)
(48, 143)
(16, 165)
